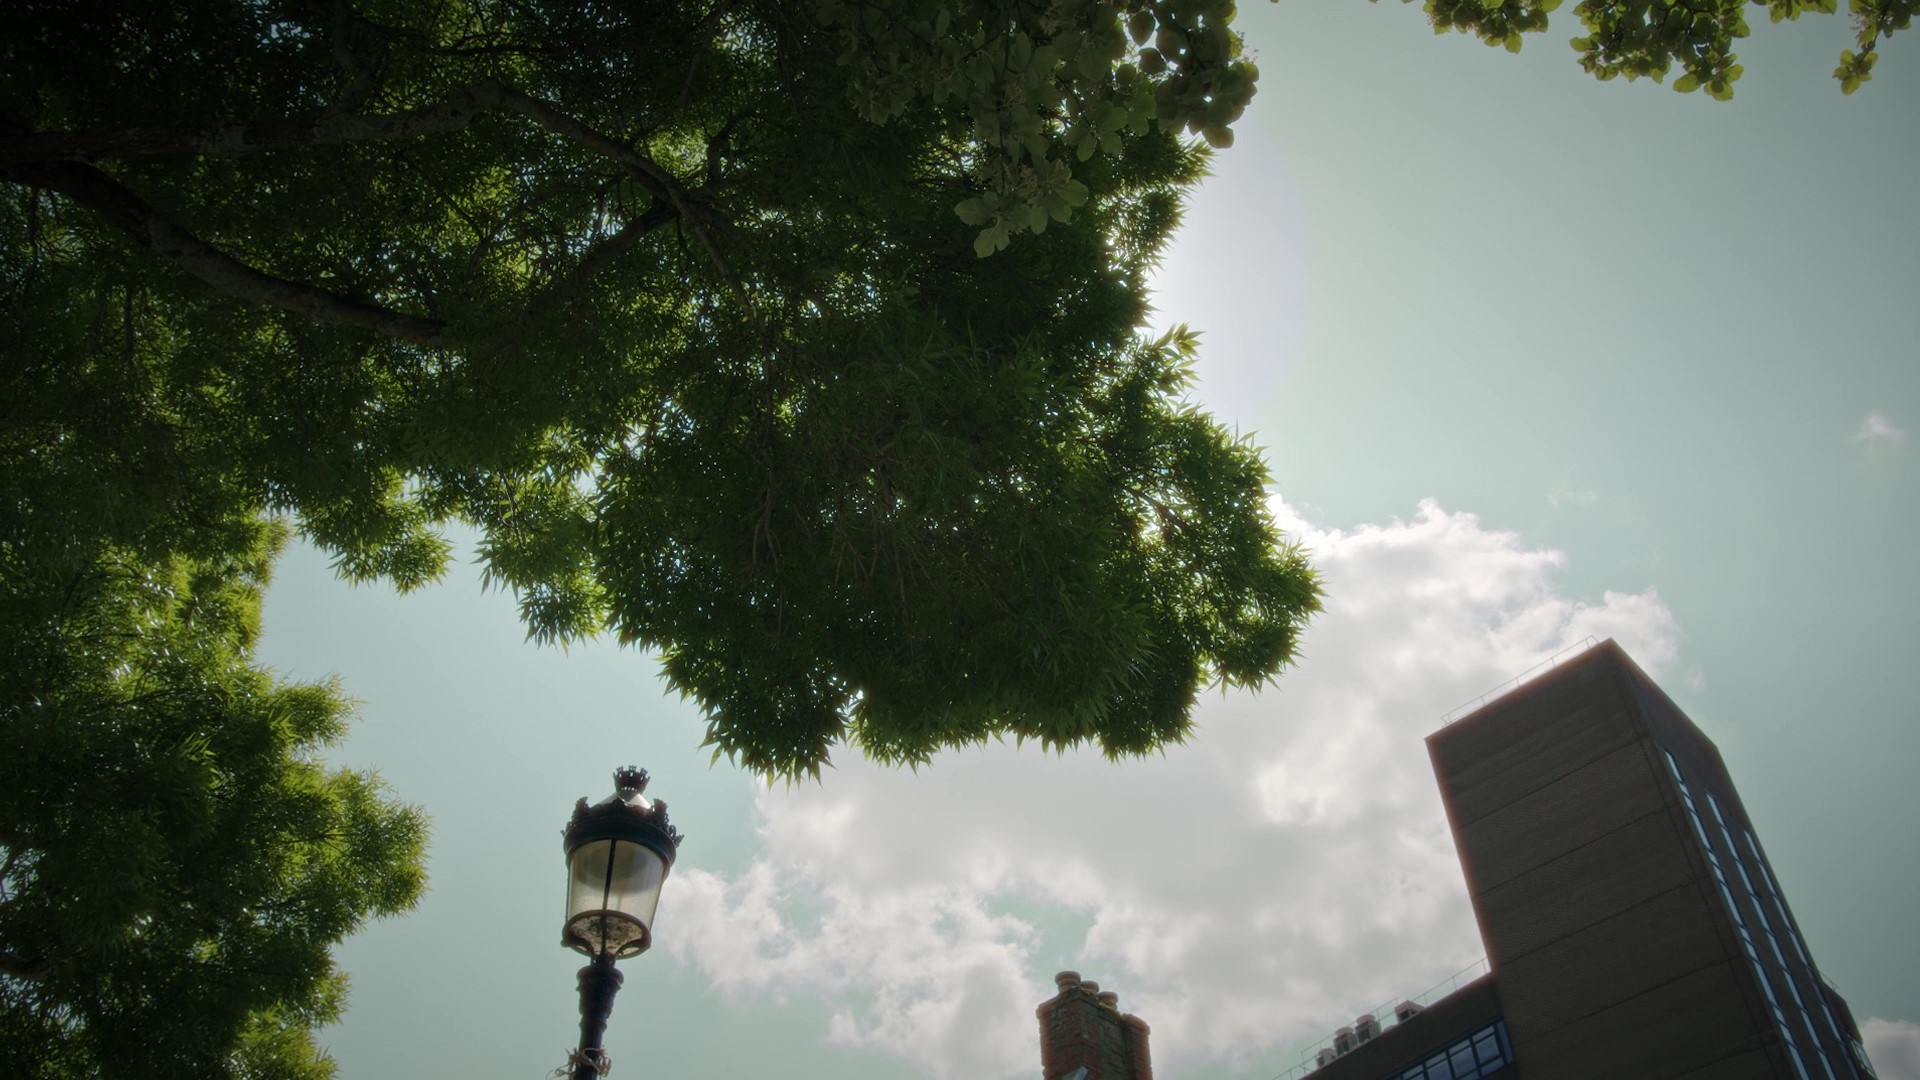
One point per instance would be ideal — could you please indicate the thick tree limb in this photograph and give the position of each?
(361, 82)
(601, 254)
(56, 161)
(172, 243)
(456, 113)
(647, 171)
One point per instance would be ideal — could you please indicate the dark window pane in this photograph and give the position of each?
(1487, 1047)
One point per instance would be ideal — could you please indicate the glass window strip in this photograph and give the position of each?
(1760, 861)
(1782, 961)
(1739, 920)
(1474, 1055)
(1819, 1052)
(1860, 1055)
(1773, 943)
(1767, 986)
(1753, 893)
(1793, 936)
(1831, 1024)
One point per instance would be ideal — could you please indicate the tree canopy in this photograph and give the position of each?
(175, 863)
(799, 342)
(684, 307)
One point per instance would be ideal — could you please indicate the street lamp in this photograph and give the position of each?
(618, 853)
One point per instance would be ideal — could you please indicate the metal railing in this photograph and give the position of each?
(1384, 1015)
(1548, 664)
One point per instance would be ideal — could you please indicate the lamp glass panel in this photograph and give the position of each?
(615, 875)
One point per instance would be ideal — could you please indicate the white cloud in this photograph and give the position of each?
(1879, 437)
(1564, 493)
(1287, 869)
(1894, 1046)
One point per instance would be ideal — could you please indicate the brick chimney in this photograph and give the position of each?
(1084, 1036)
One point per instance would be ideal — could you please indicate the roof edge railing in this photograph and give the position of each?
(1551, 662)
(1385, 1015)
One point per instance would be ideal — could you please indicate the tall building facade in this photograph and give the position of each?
(1634, 928)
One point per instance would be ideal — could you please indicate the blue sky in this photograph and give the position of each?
(1532, 357)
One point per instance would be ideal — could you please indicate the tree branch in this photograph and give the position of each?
(612, 247)
(21, 967)
(55, 161)
(361, 83)
(172, 243)
(456, 113)
(644, 169)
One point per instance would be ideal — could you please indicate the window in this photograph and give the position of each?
(1469, 1058)
(1753, 894)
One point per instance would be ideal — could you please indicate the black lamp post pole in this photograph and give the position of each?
(599, 981)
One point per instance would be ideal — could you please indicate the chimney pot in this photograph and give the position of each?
(1084, 1036)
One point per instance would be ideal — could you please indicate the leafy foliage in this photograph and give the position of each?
(690, 309)
(1639, 38)
(174, 862)
(682, 306)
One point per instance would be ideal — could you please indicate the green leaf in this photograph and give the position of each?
(1687, 84)
(973, 211)
(1140, 26)
(1513, 42)
(983, 245)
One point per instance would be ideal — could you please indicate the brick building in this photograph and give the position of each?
(1633, 926)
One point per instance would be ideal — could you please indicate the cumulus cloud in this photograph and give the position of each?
(1894, 1046)
(1879, 437)
(1288, 868)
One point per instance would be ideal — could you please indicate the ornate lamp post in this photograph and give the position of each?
(618, 853)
